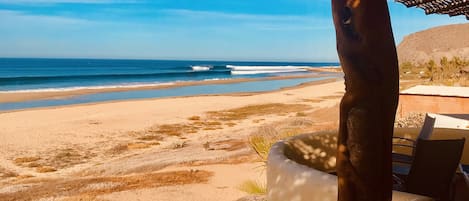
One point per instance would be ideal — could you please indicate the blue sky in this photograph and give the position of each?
(273, 30)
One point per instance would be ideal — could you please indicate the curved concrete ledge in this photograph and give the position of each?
(288, 180)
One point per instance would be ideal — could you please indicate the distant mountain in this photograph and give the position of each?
(433, 44)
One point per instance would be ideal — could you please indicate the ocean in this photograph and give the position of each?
(46, 75)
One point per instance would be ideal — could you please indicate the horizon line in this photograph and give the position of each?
(174, 59)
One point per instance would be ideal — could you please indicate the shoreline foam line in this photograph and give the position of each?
(66, 89)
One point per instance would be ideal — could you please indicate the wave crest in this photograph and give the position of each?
(250, 70)
(201, 68)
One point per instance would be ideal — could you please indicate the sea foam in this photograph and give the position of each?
(250, 70)
(201, 68)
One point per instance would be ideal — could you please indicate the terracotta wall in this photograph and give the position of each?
(433, 104)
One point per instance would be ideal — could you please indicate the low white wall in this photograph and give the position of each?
(446, 121)
(290, 181)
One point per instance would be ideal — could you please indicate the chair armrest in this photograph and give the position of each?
(403, 138)
(404, 145)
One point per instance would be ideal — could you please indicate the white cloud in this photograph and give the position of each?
(263, 22)
(20, 18)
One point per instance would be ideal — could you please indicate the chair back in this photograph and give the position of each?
(434, 167)
(427, 128)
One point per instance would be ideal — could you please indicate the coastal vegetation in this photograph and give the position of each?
(257, 110)
(262, 139)
(447, 72)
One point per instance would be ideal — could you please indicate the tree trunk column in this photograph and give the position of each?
(367, 53)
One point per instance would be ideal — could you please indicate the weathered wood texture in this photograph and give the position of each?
(450, 7)
(368, 57)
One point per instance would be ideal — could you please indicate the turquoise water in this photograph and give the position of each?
(55, 75)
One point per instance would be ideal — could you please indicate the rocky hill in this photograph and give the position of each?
(433, 44)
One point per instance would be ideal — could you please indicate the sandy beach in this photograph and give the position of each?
(185, 148)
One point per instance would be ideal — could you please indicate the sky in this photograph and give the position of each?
(245, 30)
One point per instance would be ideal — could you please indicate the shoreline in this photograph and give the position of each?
(232, 94)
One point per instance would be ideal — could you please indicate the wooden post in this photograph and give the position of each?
(367, 53)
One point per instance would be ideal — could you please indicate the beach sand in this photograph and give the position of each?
(185, 148)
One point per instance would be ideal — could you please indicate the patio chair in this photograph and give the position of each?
(424, 134)
(462, 190)
(433, 168)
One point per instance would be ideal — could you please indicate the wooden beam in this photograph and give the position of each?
(367, 53)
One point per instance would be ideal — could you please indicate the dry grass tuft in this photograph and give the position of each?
(212, 128)
(227, 145)
(68, 157)
(239, 159)
(4, 173)
(138, 145)
(230, 124)
(150, 137)
(256, 110)
(21, 160)
(312, 100)
(301, 114)
(45, 169)
(171, 129)
(174, 129)
(194, 118)
(253, 187)
(82, 198)
(213, 123)
(261, 145)
(331, 97)
(79, 188)
(118, 149)
(33, 164)
(57, 158)
(26, 176)
(300, 122)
